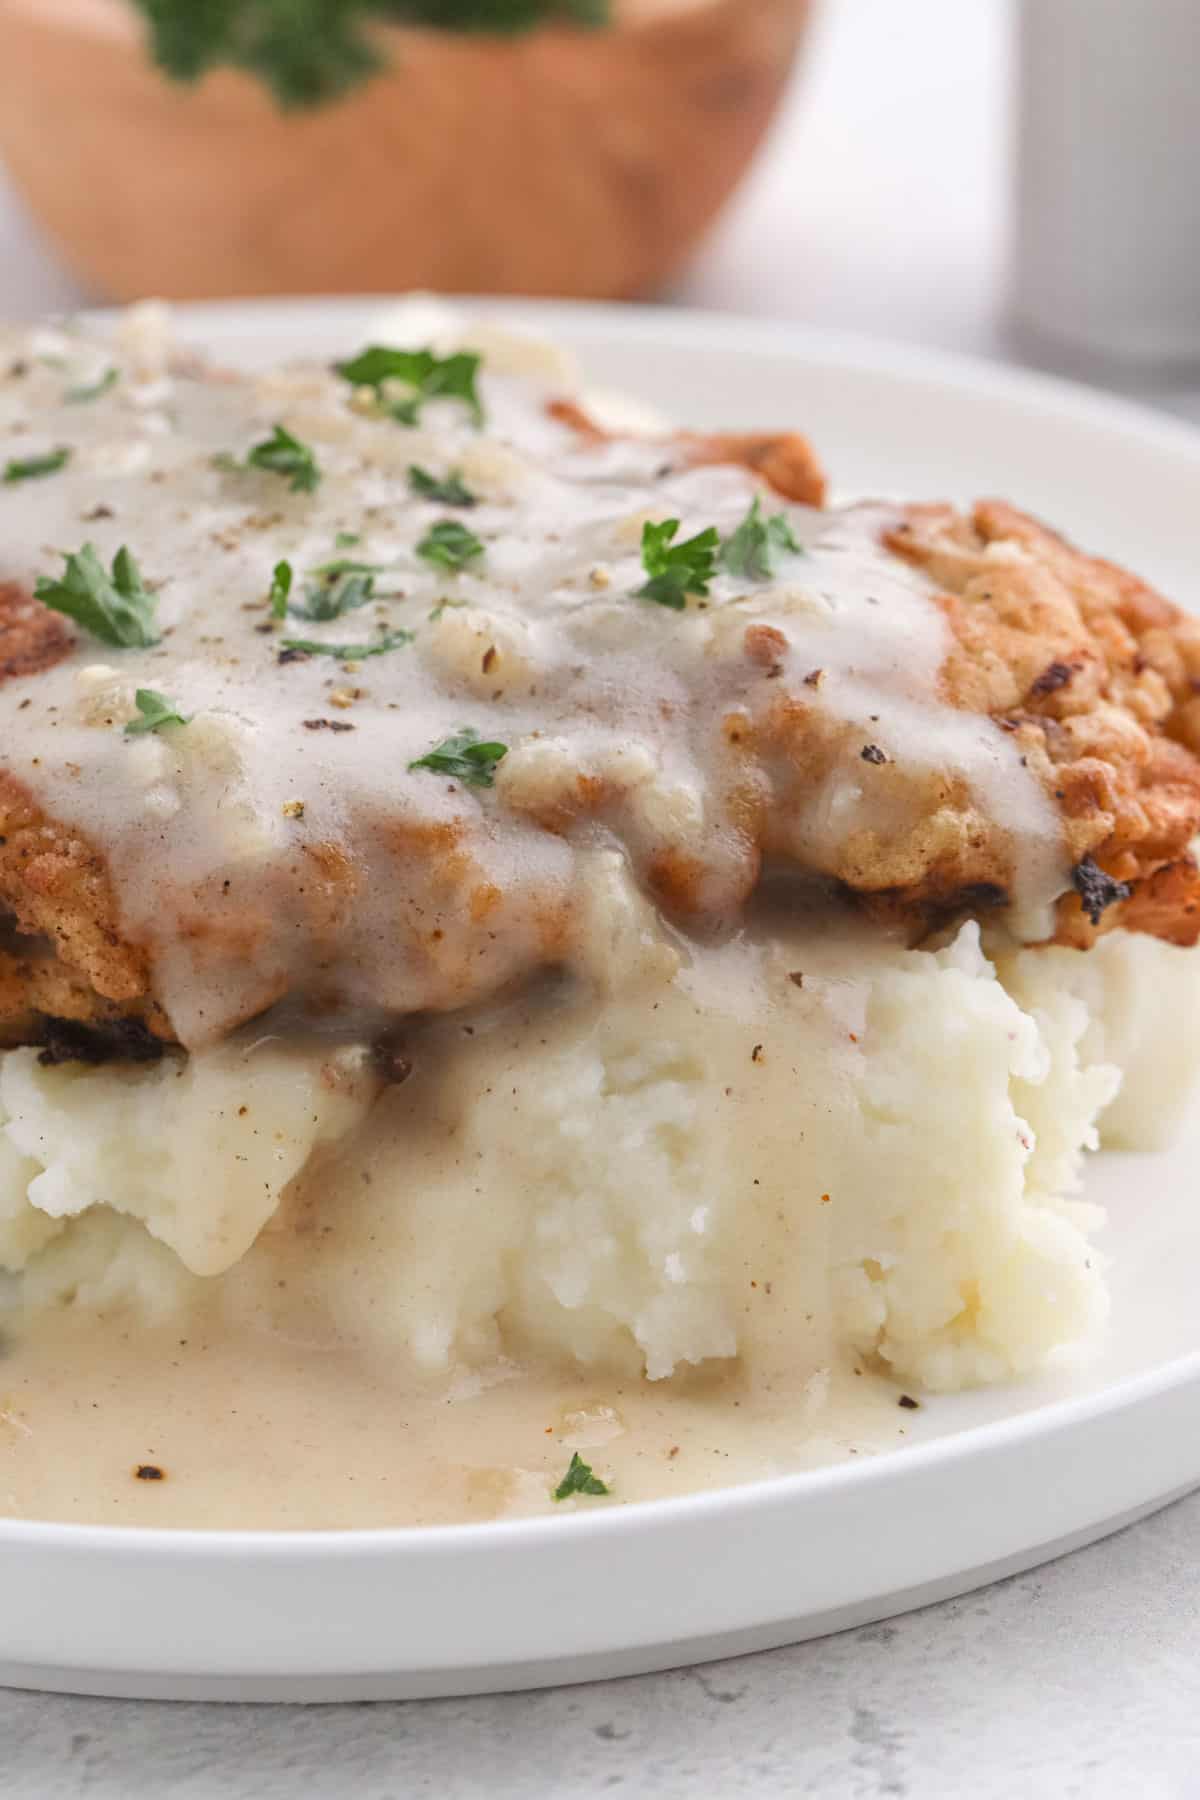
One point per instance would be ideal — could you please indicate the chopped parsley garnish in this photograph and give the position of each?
(338, 591)
(117, 608)
(465, 757)
(429, 377)
(346, 565)
(92, 390)
(156, 711)
(451, 490)
(346, 540)
(579, 1479)
(338, 587)
(280, 454)
(752, 549)
(449, 545)
(435, 612)
(283, 454)
(391, 640)
(32, 468)
(281, 587)
(676, 570)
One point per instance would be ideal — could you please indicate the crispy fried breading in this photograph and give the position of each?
(56, 889)
(1097, 675)
(31, 637)
(37, 987)
(786, 461)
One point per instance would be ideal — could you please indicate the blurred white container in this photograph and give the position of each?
(1107, 251)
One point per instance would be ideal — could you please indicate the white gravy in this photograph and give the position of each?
(252, 1432)
(279, 844)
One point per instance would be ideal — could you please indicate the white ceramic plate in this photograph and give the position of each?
(987, 1484)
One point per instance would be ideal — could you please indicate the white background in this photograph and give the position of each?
(880, 206)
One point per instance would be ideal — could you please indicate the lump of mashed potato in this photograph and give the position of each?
(197, 1149)
(958, 1257)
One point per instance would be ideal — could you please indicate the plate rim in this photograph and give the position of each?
(1033, 1424)
(691, 327)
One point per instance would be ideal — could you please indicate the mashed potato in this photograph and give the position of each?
(807, 1143)
(197, 1149)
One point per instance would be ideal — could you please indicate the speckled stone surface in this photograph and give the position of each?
(1079, 1679)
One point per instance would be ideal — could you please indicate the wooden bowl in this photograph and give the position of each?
(564, 162)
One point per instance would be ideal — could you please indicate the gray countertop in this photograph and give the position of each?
(1082, 1678)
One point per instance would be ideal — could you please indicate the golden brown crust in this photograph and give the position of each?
(32, 638)
(571, 414)
(1096, 675)
(37, 986)
(786, 461)
(55, 887)
(1167, 904)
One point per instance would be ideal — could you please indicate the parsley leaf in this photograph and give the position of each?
(751, 550)
(346, 540)
(451, 490)
(280, 454)
(430, 377)
(92, 390)
(116, 608)
(281, 587)
(340, 586)
(310, 51)
(391, 640)
(340, 590)
(464, 757)
(449, 545)
(579, 1479)
(346, 565)
(306, 51)
(283, 454)
(32, 468)
(676, 570)
(156, 711)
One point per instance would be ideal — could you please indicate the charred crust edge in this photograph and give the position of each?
(1054, 676)
(1096, 890)
(118, 1040)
